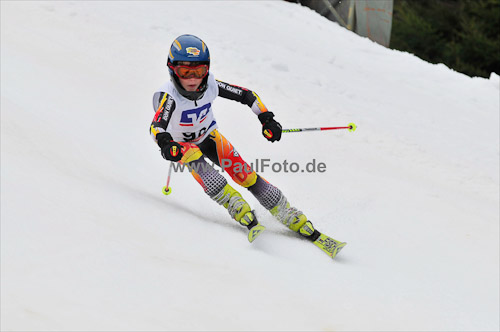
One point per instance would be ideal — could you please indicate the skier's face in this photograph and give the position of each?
(190, 74)
(190, 84)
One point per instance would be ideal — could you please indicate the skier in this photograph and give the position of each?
(185, 129)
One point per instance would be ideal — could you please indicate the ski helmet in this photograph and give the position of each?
(188, 48)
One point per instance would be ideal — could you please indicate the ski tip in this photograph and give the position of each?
(255, 232)
(337, 249)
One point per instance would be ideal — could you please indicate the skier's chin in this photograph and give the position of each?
(191, 88)
(191, 84)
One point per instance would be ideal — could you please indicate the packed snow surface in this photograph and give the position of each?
(89, 243)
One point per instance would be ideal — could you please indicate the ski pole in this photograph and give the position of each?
(167, 190)
(350, 127)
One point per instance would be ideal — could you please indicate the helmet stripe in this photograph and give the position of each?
(178, 45)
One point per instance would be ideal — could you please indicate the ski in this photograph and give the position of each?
(254, 228)
(329, 245)
(254, 232)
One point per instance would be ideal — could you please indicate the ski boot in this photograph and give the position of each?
(289, 216)
(297, 221)
(239, 210)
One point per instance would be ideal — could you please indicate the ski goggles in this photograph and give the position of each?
(185, 72)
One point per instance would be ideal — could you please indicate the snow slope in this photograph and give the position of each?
(88, 242)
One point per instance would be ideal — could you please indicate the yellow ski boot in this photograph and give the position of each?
(239, 210)
(287, 215)
(297, 221)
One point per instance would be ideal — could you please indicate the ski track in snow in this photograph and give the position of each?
(88, 242)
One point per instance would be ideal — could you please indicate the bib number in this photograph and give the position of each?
(189, 137)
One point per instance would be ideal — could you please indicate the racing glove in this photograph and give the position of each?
(271, 129)
(170, 150)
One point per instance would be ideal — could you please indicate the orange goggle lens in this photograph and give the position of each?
(191, 72)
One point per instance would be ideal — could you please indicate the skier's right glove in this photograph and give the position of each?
(271, 129)
(170, 149)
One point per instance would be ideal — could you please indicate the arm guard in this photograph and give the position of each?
(166, 106)
(242, 95)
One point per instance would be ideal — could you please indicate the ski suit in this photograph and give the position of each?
(193, 125)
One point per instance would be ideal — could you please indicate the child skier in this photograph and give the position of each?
(185, 129)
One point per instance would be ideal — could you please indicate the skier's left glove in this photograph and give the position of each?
(271, 129)
(170, 150)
